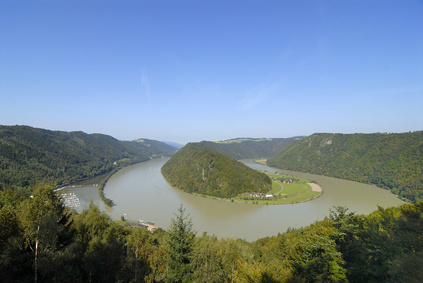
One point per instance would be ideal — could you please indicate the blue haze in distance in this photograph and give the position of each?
(187, 71)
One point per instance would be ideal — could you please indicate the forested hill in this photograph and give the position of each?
(196, 169)
(248, 148)
(28, 155)
(391, 161)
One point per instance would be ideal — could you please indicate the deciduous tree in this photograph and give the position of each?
(44, 222)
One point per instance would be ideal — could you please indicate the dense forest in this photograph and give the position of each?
(42, 241)
(197, 169)
(390, 161)
(248, 148)
(29, 154)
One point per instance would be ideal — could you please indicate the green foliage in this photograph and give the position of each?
(180, 240)
(390, 161)
(101, 243)
(144, 260)
(206, 262)
(317, 260)
(39, 236)
(384, 245)
(8, 197)
(44, 228)
(29, 154)
(249, 272)
(203, 171)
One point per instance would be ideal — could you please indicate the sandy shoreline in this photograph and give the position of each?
(315, 187)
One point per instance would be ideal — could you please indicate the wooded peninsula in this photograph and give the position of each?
(197, 169)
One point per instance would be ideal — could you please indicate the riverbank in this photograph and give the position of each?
(140, 191)
(105, 200)
(119, 165)
(298, 191)
(126, 163)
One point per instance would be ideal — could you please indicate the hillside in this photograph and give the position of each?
(248, 148)
(29, 155)
(196, 169)
(390, 161)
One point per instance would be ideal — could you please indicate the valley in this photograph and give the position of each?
(312, 211)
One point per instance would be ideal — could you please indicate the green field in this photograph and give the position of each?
(283, 193)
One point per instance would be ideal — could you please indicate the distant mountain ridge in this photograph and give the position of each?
(29, 155)
(153, 147)
(390, 161)
(249, 148)
(197, 169)
(174, 144)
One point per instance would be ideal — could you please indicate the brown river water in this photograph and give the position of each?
(140, 192)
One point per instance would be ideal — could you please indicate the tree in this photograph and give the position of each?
(140, 248)
(344, 224)
(233, 252)
(102, 245)
(249, 272)
(314, 256)
(44, 222)
(11, 256)
(8, 223)
(180, 241)
(317, 260)
(206, 261)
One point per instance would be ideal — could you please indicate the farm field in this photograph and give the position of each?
(285, 190)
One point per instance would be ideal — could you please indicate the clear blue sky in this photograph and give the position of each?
(211, 70)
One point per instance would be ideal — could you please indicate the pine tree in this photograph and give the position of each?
(181, 241)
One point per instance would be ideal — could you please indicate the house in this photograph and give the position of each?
(146, 225)
(149, 226)
(269, 196)
(287, 180)
(256, 195)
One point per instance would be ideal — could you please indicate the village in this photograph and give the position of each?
(267, 196)
(257, 195)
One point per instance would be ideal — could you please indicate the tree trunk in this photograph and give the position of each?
(36, 256)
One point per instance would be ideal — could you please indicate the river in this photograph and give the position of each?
(140, 192)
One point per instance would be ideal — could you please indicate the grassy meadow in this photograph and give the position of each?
(283, 192)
